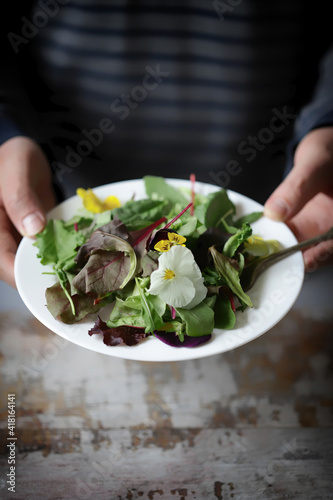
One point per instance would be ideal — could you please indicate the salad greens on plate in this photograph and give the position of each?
(170, 264)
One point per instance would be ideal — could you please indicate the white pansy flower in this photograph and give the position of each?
(178, 280)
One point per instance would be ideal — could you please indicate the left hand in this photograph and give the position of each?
(304, 200)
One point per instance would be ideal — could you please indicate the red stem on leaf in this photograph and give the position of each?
(192, 179)
(232, 302)
(177, 216)
(149, 230)
(76, 227)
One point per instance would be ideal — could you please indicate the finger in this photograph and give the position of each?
(25, 211)
(303, 183)
(319, 256)
(18, 196)
(314, 219)
(311, 174)
(8, 246)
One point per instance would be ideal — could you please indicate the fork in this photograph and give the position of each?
(252, 272)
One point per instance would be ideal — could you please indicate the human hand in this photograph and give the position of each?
(25, 195)
(304, 200)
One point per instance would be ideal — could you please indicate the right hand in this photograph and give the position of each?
(26, 194)
(304, 200)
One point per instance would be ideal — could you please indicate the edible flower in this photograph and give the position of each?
(92, 203)
(257, 246)
(174, 238)
(178, 280)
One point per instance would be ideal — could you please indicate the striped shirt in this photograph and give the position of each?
(122, 89)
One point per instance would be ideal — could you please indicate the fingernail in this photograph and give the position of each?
(33, 224)
(277, 209)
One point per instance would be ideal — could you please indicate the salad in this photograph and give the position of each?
(170, 264)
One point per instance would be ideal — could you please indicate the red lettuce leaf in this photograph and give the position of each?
(149, 262)
(109, 261)
(60, 308)
(212, 236)
(119, 335)
(140, 241)
(99, 241)
(105, 271)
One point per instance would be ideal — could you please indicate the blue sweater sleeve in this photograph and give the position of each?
(17, 115)
(319, 111)
(12, 102)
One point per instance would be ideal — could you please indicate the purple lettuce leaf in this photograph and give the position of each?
(116, 227)
(99, 240)
(119, 335)
(212, 236)
(108, 261)
(172, 339)
(105, 271)
(140, 241)
(60, 307)
(149, 262)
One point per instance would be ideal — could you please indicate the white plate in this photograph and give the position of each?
(273, 294)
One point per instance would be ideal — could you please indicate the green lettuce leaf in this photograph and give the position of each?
(127, 312)
(230, 275)
(199, 320)
(152, 307)
(137, 214)
(233, 243)
(250, 218)
(218, 207)
(140, 309)
(58, 243)
(225, 317)
(157, 187)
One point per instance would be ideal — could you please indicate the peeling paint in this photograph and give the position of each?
(182, 492)
(307, 414)
(151, 493)
(167, 437)
(48, 441)
(254, 421)
(223, 417)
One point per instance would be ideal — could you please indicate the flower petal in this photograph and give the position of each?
(157, 281)
(162, 246)
(178, 280)
(176, 238)
(180, 259)
(92, 203)
(200, 289)
(200, 293)
(177, 292)
(111, 202)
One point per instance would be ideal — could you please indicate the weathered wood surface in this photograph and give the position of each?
(253, 423)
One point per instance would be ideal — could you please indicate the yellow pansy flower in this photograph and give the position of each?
(173, 239)
(92, 203)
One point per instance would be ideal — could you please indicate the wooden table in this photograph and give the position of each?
(253, 423)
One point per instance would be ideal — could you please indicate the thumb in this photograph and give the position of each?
(309, 176)
(25, 211)
(20, 177)
(292, 194)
